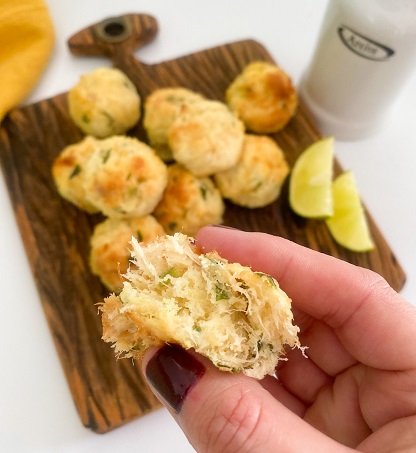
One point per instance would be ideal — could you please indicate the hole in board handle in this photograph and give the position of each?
(114, 29)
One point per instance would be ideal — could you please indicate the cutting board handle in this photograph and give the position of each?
(114, 37)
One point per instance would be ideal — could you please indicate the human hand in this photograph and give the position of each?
(356, 389)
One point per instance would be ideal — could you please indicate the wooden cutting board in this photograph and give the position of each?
(107, 392)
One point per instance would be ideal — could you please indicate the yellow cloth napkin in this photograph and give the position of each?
(26, 42)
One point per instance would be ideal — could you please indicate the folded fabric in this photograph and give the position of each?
(26, 42)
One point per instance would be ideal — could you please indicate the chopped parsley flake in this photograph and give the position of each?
(110, 119)
(139, 236)
(204, 191)
(106, 156)
(76, 171)
(173, 226)
(221, 293)
(269, 278)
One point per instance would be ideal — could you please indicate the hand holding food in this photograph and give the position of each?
(354, 391)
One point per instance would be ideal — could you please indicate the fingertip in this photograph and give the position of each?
(221, 238)
(210, 233)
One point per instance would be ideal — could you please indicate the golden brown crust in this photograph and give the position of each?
(110, 246)
(127, 330)
(125, 178)
(68, 171)
(263, 97)
(188, 202)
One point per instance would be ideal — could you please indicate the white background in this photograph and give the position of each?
(36, 409)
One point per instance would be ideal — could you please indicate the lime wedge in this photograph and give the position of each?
(348, 225)
(310, 186)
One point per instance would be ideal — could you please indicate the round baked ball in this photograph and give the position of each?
(104, 102)
(161, 108)
(263, 97)
(189, 202)
(206, 137)
(258, 177)
(110, 247)
(124, 177)
(68, 171)
(241, 320)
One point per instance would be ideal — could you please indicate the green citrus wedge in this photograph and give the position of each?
(310, 186)
(348, 225)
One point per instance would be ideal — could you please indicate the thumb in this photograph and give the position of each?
(223, 412)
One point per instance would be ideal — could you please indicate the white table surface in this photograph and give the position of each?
(37, 413)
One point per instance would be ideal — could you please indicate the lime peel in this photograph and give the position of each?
(348, 225)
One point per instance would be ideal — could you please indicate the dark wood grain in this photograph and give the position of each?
(107, 392)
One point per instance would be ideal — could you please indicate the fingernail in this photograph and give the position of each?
(226, 227)
(173, 372)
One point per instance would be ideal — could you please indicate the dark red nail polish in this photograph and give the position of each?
(173, 372)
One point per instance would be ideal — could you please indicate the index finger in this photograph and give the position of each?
(358, 304)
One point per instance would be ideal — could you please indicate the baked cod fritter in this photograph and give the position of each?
(104, 102)
(188, 202)
(124, 177)
(110, 246)
(257, 179)
(263, 97)
(206, 137)
(241, 320)
(68, 171)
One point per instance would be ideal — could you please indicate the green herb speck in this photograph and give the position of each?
(106, 156)
(76, 171)
(257, 186)
(110, 119)
(172, 226)
(173, 272)
(269, 278)
(204, 191)
(139, 236)
(221, 293)
(138, 346)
